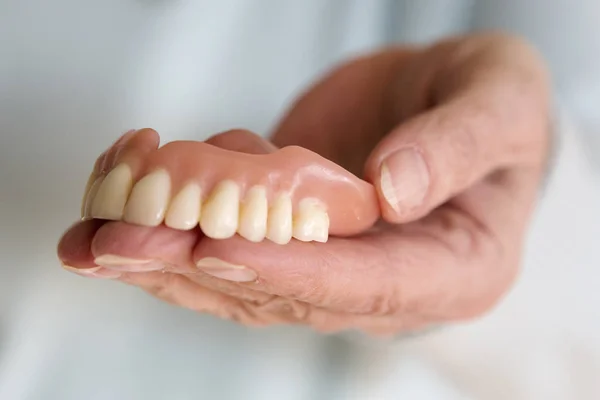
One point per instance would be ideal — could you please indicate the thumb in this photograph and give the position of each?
(438, 154)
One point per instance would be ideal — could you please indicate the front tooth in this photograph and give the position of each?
(149, 199)
(279, 224)
(89, 198)
(112, 194)
(219, 219)
(184, 211)
(311, 222)
(253, 215)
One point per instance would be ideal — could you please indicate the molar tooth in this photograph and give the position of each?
(279, 224)
(253, 214)
(219, 219)
(86, 193)
(89, 198)
(184, 211)
(311, 223)
(112, 194)
(149, 199)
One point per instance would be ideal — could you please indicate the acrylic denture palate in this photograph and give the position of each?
(290, 193)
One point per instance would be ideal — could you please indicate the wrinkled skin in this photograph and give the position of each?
(476, 108)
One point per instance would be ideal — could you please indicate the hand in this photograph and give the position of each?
(455, 139)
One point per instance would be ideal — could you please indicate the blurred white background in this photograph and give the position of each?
(75, 74)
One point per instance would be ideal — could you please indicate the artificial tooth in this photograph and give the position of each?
(112, 194)
(149, 199)
(219, 219)
(86, 193)
(279, 223)
(89, 198)
(311, 222)
(253, 215)
(184, 211)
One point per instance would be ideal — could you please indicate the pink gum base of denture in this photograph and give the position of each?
(351, 202)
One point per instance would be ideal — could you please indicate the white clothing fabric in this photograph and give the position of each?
(75, 74)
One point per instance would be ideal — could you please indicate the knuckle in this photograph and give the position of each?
(464, 124)
(162, 288)
(241, 313)
(288, 310)
(385, 302)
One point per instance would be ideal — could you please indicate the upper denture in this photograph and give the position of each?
(186, 183)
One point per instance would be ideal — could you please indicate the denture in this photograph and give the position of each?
(290, 193)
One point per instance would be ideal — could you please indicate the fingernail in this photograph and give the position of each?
(93, 272)
(224, 270)
(81, 271)
(111, 259)
(404, 179)
(125, 264)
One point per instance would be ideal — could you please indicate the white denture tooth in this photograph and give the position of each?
(279, 223)
(220, 213)
(184, 211)
(311, 222)
(112, 194)
(86, 193)
(149, 199)
(89, 198)
(253, 214)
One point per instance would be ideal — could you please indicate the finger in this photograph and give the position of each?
(131, 248)
(447, 265)
(341, 275)
(74, 251)
(121, 247)
(441, 153)
(493, 117)
(182, 291)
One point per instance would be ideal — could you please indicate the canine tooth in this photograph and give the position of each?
(184, 211)
(311, 222)
(253, 215)
(219, 219)
(279, 223)
(149, 199)
(89, 198)
(112, 194)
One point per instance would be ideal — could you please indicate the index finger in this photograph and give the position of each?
(442, 268)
